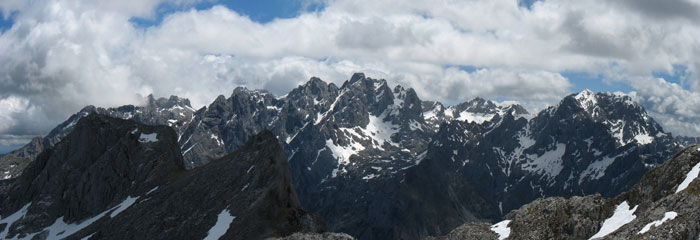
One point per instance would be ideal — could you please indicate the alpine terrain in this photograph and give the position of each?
(663, 205)
(118, 179)
(378, 162)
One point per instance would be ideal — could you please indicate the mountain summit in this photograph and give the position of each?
(366, 145)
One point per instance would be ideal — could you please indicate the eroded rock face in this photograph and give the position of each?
(118, 179)
(174, 112)
(102, 162)
(663, 205)
(366, 145)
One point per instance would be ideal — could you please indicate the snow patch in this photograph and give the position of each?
(421, 156)
(617, 131)
(644, 139)
(216, 138)
(587, 99)
(474, 117)
(87, 237)
(223, 221)
(596, 170)
(414, 125)
(123, 206)
(692, 175)
(9, 220)
(60, 229)
(343, 153)
(188, 149)
(370, 176)
(380, 130)
(273, 108)
(622, 215)
(320, 117)
(667, 216)
(151, 137)
(432, 113)
(152, 190)
(501, 229)
(549, 163)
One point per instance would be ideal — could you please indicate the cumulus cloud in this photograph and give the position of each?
(63, 54)
(677, 108)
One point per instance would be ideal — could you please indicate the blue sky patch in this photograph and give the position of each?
(678, 76)
(595, 83)
(262, 11)
(6, 22)
(527, 3)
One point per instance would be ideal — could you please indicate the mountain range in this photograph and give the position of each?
(663, 205)
(380, 163)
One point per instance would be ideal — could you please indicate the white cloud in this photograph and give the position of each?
(676, 108)
(62, 55)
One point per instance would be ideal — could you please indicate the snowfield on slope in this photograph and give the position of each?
(623, 215)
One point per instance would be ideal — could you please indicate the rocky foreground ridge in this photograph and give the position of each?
(663, 205)
(117, 179)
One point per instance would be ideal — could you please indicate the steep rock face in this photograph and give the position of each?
(252, 186)
(173, 112)
(365, 145)
(663, 205)
(225, 125)
(102, 162)
(588, 143)
(117, 179)
(350, 157)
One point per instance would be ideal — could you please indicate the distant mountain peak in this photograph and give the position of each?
(166, 103)
(586, 99)
(356, 77)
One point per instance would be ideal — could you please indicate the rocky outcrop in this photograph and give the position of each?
(117, 179)
(318, 236)
(11, 166)
(663, 205)
(472, 231)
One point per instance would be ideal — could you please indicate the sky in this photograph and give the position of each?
(58, 56)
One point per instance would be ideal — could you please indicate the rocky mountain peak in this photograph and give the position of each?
(480, 110)
(586, 98)
(167, 103)
(356, 77)
(117, 179)
(625, 120)
(602, 104)
(369, 145)
(101, 162)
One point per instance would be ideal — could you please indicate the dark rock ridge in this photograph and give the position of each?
(173, 112)
(588, 143)
(318, 236)
(118, 179)
(663, 205)
(685, 141)
(400, 160)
